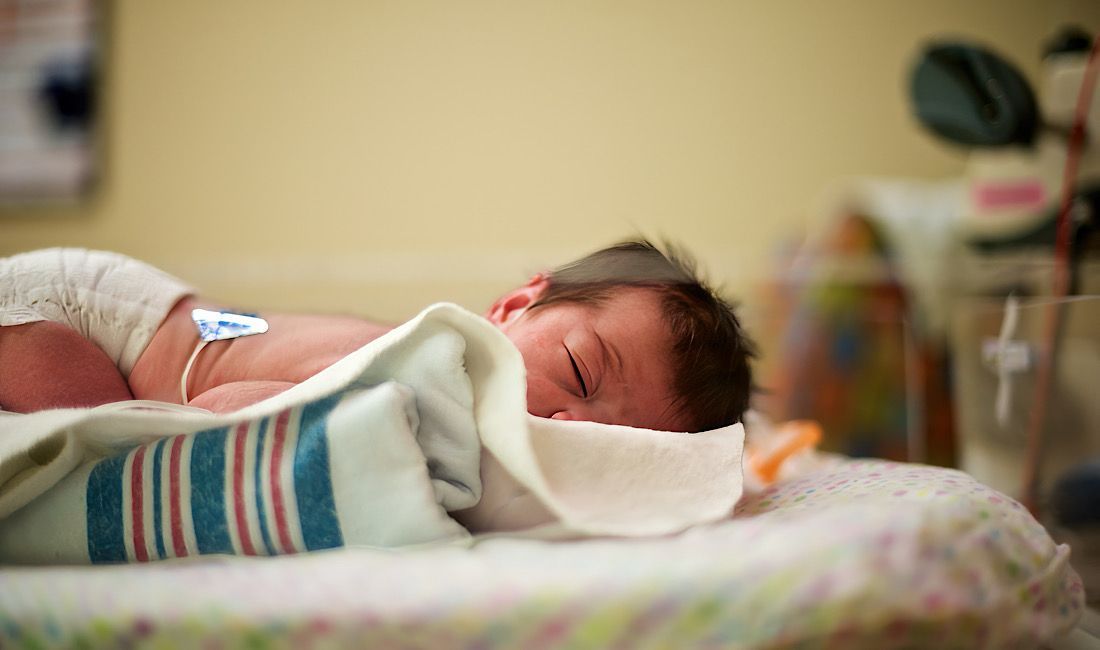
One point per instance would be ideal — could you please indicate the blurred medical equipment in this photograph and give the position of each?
(967, 94)
(1026, 322)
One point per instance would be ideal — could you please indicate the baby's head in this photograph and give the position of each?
(629, 335)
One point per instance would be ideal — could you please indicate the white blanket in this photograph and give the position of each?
(403, 455)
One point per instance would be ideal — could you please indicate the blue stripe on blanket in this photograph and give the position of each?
(106, 542)
(260, 500)
(158, 454)
(208, 491)
(312, 478)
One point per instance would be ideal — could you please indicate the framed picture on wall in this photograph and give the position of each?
(49, 71)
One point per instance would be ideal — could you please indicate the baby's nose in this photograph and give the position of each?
(561, 415)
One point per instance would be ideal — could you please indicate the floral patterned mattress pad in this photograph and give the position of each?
(859, 553)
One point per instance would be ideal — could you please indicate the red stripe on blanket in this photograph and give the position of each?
(276, 485)
(238, 489)
(137, 504)
(178, 544)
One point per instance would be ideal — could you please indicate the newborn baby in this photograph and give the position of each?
(626, 335)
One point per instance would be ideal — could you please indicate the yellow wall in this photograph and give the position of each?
(376, 156)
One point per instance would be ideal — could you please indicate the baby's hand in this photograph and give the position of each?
(238, 394)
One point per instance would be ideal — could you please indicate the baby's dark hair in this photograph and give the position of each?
(711, 352)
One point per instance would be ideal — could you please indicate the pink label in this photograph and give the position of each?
(1015, 193)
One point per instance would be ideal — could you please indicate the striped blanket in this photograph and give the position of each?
(232, 489)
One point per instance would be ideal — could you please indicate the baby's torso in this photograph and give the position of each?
(295, 347)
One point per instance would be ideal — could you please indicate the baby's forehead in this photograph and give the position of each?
(612, 302)
(630, 319)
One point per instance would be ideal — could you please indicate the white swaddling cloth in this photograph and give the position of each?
(564, 478)
(110, 299)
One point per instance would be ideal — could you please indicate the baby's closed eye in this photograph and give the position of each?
(577, 373)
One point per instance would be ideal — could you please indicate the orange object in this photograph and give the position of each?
(798, 434)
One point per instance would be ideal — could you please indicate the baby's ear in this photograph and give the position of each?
(508, 307)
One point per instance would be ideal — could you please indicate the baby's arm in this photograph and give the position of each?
(47, 365)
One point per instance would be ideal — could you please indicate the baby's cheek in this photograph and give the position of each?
(542, 396)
